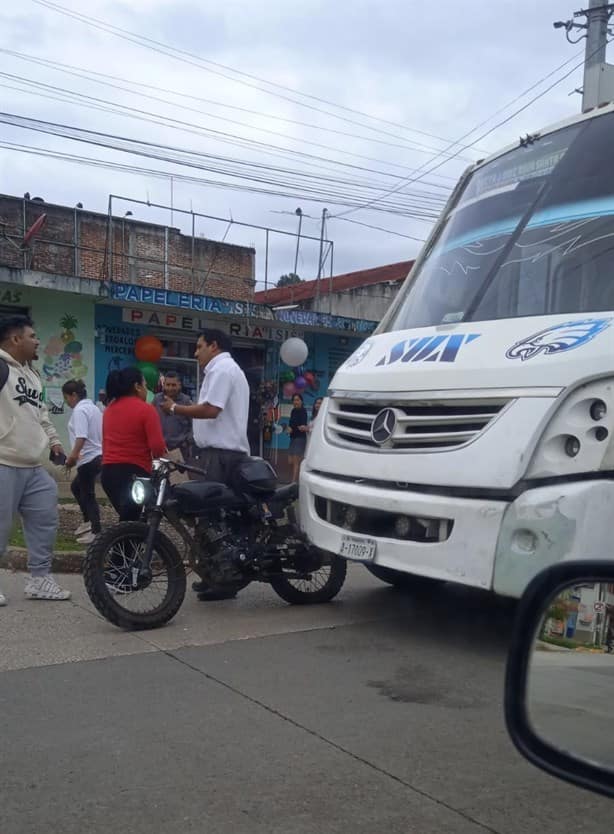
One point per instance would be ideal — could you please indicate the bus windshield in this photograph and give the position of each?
(531, 234)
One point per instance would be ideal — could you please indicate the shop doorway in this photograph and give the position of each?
(251, 361)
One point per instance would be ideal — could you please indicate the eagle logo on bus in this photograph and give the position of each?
(558, 339)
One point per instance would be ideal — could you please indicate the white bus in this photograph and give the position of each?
(470, 438)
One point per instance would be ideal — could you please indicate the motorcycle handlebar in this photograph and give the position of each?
(183, 467)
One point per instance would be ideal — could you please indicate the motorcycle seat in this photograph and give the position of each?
(194, 496)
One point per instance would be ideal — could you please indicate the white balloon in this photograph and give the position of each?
(293, 352)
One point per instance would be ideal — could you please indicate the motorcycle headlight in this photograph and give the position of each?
(141, 491)
(577, 439)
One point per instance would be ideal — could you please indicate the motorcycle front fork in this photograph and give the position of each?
(142, 574)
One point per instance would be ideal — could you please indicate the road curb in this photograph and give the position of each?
(16, 559)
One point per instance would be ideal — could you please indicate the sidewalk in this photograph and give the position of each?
(66, 559)
(40, 633)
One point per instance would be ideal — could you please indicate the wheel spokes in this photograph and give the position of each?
(121, 561)
(319, 579)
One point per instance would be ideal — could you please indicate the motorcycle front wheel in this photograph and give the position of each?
(109, 569)
(321, 585)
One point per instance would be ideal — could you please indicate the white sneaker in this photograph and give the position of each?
(87, 538)
(83, 528)
(3, 600)
(45, 587)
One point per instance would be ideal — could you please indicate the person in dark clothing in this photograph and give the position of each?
(131, 439)
(297, 429)
(177, 429)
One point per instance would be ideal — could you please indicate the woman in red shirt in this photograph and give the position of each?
(131, 438)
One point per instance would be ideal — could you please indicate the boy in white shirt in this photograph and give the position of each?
(85, 432)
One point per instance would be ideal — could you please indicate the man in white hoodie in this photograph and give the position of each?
(25, 433)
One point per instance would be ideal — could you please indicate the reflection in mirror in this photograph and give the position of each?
(570, 689)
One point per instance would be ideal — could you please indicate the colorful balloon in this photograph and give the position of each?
(300, 382)
(148, 349)
(288, 390)
(293, 352)
(151, 374)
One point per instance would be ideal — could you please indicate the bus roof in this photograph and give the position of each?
(580, 117)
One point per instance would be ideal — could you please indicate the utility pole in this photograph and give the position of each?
(597, 16)
(322, 228)
(598, 75)
(299, 213)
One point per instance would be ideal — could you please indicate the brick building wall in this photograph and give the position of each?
(79, 242)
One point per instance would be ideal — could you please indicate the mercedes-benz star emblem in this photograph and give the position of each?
(383, 425)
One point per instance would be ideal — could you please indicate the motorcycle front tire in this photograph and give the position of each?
(106, 602)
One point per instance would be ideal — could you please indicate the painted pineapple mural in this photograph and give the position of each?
(63, 358)
(69, 323)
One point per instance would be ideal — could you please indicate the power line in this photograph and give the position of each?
(412, 179)
(206, 64)
(410, 208)
(381, 198)
(63, 156)
(149, 43)
(302, 190)
(191, 127)
(378, 228)
(90, 75)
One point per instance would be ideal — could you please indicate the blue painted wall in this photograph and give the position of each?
(318, 362)
(114, 349)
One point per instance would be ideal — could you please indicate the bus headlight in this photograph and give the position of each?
(572, 443)
(141, 491)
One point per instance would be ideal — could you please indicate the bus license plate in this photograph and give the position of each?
(360, 550)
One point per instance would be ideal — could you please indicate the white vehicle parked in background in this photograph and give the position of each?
(470, 438)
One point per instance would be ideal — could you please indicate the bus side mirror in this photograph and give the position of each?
(559, 687)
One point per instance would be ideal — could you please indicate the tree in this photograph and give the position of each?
(288, 280)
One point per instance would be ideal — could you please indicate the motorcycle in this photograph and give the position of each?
(136, 577)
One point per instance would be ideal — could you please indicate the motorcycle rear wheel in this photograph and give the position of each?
(324, 585)
(107, 569)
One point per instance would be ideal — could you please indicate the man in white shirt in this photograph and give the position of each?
(220, 418)
(219, 422)
(85, 433)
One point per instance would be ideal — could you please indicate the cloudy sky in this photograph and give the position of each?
(272, 106)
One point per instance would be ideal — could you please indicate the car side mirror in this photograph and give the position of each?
(559, 688)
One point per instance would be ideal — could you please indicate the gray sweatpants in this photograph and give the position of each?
(33, 494)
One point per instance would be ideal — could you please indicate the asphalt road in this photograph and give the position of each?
(379, 712)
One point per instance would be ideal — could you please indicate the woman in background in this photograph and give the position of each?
(131, 439)
(297, 429)
(317, 405)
